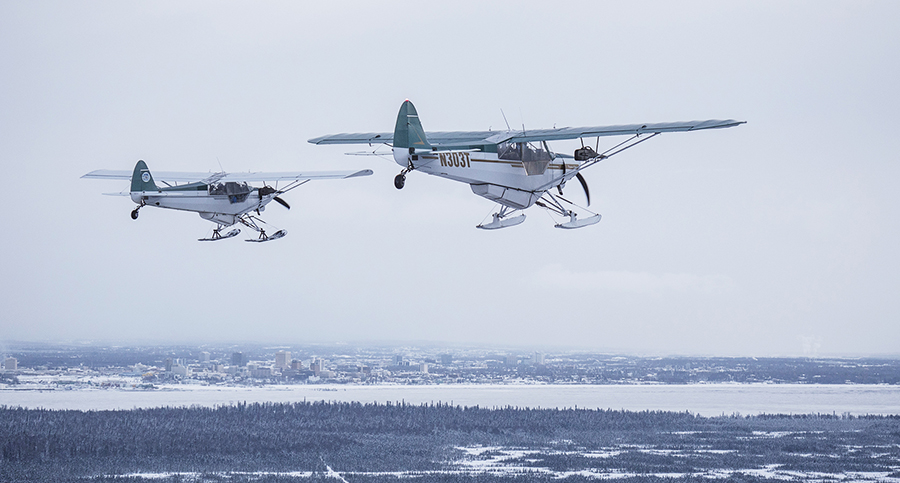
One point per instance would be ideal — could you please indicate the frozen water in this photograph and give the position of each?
(703, 399)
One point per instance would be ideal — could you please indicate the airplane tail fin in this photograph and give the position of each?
(142, 180)
(408, 132)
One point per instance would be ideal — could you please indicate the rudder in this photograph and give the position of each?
(408, 132)
(142, 180)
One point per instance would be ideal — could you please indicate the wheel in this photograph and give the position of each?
(400, 181)
(134, 215)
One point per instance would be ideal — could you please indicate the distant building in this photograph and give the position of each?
(423, 368)
(204, 356)
(168, 364)
(316, 367)
(237, 358)
(11, 364)
(538, 358)
(511, 360)
(296, 365)
(397, 360)
(282, 359)
(260, 372)
(180, 370)
(446, 359)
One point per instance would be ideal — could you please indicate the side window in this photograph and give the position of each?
(509, 151)
(532, 152)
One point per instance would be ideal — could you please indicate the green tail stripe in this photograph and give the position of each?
(408, 132)
(142, 180)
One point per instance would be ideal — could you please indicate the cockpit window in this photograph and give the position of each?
(510, 151)
(237, 192)
(523, 152)
(534, 157)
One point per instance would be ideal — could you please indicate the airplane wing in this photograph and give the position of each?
(444, 139)
(622, 130)
(188, 177)
(292, 175)
(179, 176)
(449, 139)
(355, 138)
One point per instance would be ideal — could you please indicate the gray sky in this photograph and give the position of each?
(778, 237)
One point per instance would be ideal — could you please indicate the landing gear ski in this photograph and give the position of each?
(503, 220)
(264, 238)
(217, 235)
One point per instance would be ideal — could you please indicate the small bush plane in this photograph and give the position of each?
(516, 169)
(222, 198)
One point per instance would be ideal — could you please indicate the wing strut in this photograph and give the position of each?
(595, 158)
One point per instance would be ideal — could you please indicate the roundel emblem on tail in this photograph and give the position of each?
(145, 177)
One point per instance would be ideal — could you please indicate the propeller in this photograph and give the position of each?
(587, 192)
(268, 190)
(286, 205)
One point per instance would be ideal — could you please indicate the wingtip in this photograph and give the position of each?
(362, 172)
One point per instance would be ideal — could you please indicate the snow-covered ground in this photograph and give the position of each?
(122, 392)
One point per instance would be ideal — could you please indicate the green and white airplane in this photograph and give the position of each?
(222, 198)
(516, 169)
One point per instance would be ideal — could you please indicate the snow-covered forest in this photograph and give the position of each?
(381, 442)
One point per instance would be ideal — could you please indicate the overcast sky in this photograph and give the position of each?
(778, 237)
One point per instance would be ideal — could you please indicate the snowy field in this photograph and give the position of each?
(702, 399)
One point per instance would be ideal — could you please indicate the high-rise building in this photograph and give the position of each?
(237, 358)
(296, 365)
(11, 364)
(282, 359)
(446, 359)
(204, 356)
(397, 360)
(538, 358)
(168, 364)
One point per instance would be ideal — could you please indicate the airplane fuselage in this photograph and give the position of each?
(223, 209)
(502, 180)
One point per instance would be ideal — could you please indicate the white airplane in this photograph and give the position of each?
(222, 198)
(516, 169)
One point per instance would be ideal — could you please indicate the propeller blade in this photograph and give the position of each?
(265, 190)
(584, 185)
(286, 205)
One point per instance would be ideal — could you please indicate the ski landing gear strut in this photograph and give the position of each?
(500, 219)
(250, 222)
(551, 203)
(217, 235)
